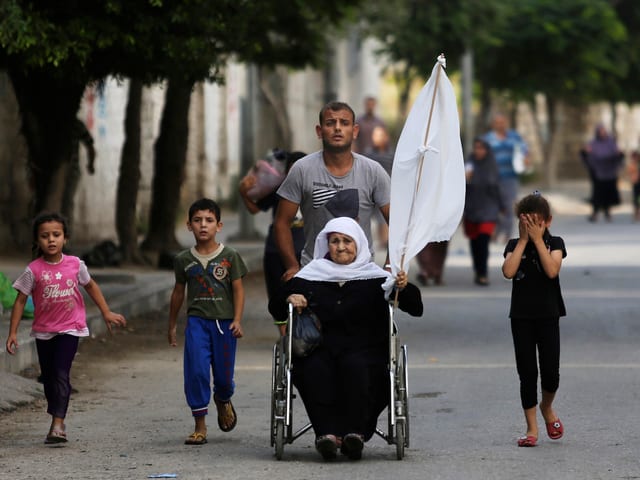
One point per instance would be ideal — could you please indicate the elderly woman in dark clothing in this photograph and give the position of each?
(344, 382)
(483, 204)
(603, 159)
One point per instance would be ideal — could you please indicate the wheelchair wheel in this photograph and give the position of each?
(405, 367)
(402, 404)
(274, 377)
(278, 399)
(400, 439)
(279, 440)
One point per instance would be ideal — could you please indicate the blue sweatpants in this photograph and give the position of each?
(208, 345)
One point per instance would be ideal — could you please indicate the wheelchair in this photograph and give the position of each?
(282, 428)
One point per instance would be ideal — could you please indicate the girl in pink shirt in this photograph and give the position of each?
(52, 280)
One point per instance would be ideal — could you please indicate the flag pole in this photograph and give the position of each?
(441, 64)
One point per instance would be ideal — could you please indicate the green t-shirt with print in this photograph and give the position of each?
(208, 280)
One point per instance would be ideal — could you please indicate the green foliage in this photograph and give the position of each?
(565, 49)
(415, 32)
(627, 88)
(155, 39)
(576, 50)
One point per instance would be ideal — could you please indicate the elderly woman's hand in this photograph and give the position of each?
(298, 301)
(401, 279)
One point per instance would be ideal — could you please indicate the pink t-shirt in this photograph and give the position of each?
(59, 305)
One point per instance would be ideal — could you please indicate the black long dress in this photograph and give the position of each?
(344, 382)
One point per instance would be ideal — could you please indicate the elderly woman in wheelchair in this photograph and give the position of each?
(344, 382)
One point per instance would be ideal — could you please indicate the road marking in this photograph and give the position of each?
(475, 366)
(436, 366)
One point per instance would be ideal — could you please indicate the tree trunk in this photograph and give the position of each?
(129, 178)
(272, 86)
(403, 80)
(48, 108)
(170, 152)
(549, 158)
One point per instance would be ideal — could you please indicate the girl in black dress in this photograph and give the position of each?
(533, 262)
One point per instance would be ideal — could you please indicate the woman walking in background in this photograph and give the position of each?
(603, 158)
(483, 205)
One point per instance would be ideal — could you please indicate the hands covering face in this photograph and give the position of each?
(531, 226)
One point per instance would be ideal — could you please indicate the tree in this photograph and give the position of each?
(129, 177)
(572, 51)
(53, 49)
(566, 50)
(264, 33)
(414, 32)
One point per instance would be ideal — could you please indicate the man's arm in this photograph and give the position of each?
(285, 214)
(385, 213)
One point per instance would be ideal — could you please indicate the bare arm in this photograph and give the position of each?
(385, 213)
(110, 318)
(238, 307)
(285, 214)
(16, 316)
(512, 260)
(177, 297)
(245, 185)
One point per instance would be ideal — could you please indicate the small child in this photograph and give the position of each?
(533, 261)
(60, 318)
(212, 275)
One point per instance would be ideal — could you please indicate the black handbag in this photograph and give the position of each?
(306, 332)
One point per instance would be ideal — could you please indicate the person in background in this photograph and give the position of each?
(81, 136)
(604, 160)
(382, 153)
(273, 267)
(533, 261)
(367, 122)
(431, 262)
(503, 142)
(60, 319)
(483, 205)
(633, 171)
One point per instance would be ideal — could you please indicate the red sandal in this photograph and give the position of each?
(527, 441)
(555, 429)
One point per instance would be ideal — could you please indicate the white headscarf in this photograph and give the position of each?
(322, 268)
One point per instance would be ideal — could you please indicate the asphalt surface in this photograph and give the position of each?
(465, 413)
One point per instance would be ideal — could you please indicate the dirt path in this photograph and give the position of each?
(128, 418)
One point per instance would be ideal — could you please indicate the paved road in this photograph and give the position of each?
(129, 419)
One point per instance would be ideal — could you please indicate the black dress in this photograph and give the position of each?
(344, 382)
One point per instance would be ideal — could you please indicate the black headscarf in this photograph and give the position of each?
(485, 170)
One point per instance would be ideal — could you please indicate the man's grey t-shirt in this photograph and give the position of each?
(323, 196)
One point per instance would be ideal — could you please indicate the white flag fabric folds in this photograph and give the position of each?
(427, 178)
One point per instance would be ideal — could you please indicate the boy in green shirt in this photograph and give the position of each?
(211, 274)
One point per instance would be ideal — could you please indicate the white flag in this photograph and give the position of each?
(427, 179)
